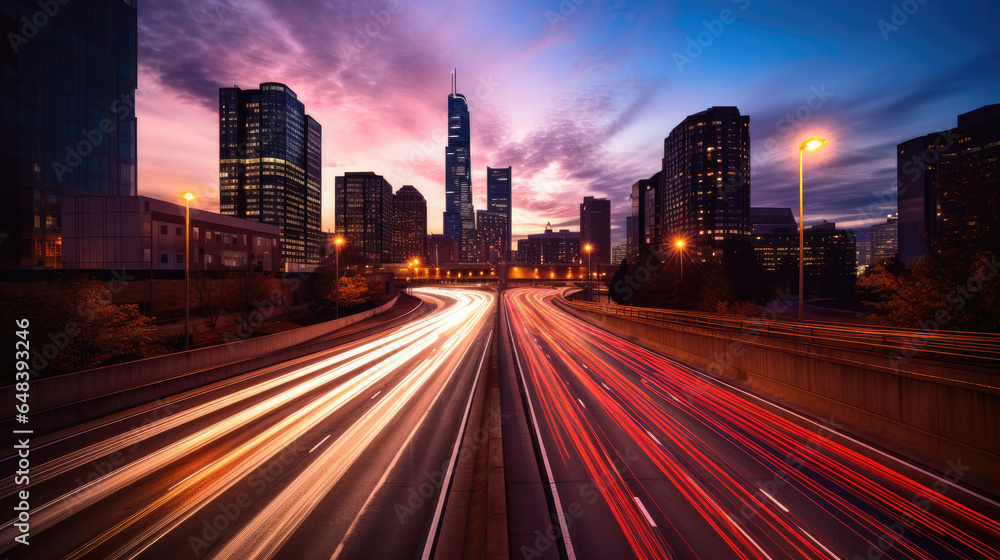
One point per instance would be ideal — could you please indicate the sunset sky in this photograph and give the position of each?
(576, 95)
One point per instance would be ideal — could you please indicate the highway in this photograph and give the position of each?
(338, 455)
(646, 458)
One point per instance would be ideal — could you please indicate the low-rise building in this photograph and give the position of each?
(139, 233)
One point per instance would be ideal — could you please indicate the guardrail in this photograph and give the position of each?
(980, 349)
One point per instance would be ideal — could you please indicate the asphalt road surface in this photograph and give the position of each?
(649, 459)
(341, 454)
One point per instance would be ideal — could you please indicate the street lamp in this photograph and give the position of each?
(412, 273)
(337, 242)
(680, 257)
(810, 144)
(188, 197)
(590, 294)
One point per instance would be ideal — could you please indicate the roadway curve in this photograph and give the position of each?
(649, 459)
(341, 454)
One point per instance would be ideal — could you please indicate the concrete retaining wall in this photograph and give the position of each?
(67, 400)
(930, 412)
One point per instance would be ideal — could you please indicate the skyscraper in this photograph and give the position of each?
(363, 206)
(459, 214)
(498, 199)
(595, 229)
(68, 121)
(706, 182)
(270, 166)
(491, 233)
(949, 186)
(409, 225)
(884, 243)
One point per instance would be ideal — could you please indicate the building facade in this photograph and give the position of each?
(884, 243)
(492, 230)
(595, 230)
(68, 124)
(270, 167)
(948, 186)
(441, 250)
(459, 214)
(409, 225)
(138, 233)
(499, 188)
(705, 183)
(363, 206)
(550, 247)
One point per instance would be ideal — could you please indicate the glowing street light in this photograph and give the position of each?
(679, 243)
(337, 242)
(810, 144)
(588, 248)
(188, 197)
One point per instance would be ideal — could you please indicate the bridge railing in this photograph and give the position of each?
(980, 349)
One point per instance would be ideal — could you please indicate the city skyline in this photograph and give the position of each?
(584, 97)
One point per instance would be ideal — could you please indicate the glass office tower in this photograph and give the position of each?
(67, 116)
(270, 167)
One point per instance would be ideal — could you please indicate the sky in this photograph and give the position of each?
(575, 95)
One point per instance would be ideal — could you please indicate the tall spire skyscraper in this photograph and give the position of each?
(459, 215)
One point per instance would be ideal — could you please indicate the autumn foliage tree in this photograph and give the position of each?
(352, 291)
(75, 326)
(952, 291)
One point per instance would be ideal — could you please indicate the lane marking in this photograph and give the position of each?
(605, 385)
(581, 403)
(376, 394)
(392, 465)
(446, 487)
(773, 499)
(825, 549)
(649, 518)
(563, 526)
(654, 438)
(320, 443)
(822, 426)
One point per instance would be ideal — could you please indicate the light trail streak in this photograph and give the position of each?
(823, 472)
(369, 363)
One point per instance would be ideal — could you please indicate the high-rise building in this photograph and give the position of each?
(270, 165)
(68, 123)
(441, 250)
(948, 186)
(409, 225)
(363, 206)
(706, 182)
(618, 252)
(643, 225)
(595, 230)
(498, 199)
(884, 244)
(492, 230)
(459, 214)
(550, 247)
(829, 253)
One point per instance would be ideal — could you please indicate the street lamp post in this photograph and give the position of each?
(810, 144)
(680, 255)
(337, 242)
(187, 269)
(413, 273)
(590, 277)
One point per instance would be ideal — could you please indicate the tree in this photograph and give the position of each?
(948, 290)
(353, 291)
(75, 326)
(210, 297)
(254, 297)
